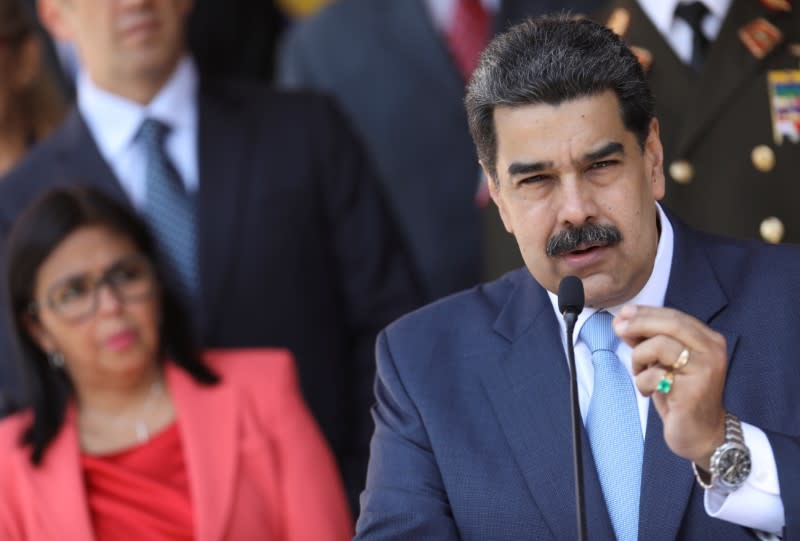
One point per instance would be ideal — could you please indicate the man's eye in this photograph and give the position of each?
(603, 164)
(534, 179)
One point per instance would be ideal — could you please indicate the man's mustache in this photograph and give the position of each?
(569, 240)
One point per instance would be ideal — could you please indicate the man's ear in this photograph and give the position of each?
(53, 18)
(494, 191)
(654, 160)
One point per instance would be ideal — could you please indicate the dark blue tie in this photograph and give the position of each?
(169, 209)
(693, 14)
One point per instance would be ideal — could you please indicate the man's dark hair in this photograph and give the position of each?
(550, 60)
(40, 230)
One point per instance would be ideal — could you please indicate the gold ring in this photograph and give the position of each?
(666, 382)
(683, 360)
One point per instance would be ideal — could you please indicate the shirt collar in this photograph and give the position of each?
(662, 12)
(654, 290)
(114, 121)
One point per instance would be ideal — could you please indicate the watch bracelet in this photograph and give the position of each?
(733, 433)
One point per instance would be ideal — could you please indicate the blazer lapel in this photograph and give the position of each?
(411, 31)
(80, 159)
(60, 474)
(729, 65)
(667, 480)
(207, 419)
(529, 390)
(223, 151)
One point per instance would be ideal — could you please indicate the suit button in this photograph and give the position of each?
(681, 171)
(772, 230)
(763, 158)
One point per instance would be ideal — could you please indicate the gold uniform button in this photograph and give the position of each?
(681, 171)
(772, 230)
(763, 158)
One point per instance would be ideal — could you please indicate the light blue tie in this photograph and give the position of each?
(615, 432)
(169, 209)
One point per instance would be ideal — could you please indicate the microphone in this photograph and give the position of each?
(570, 304)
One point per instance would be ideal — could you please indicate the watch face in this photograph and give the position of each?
(733, 466)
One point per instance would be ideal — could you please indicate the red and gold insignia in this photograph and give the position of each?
(644, 57)
(760, 36)
(777, 5)
(619, 21)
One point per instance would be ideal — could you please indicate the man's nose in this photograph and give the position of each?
(577, 204)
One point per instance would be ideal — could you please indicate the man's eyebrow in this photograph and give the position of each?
(606, 150)
(521, 168)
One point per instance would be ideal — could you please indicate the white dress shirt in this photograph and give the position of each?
(676, 31)
(443, 11)
(114, 123)
(756, 504)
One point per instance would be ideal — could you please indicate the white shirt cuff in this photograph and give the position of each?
(757, 503)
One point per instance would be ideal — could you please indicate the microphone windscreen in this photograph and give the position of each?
(570, 295)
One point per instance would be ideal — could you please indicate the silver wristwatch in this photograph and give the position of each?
(730, 463)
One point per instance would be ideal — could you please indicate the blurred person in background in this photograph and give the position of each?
(263, 203)
(726, 79)
(30, 104)
(133, 434)
(399, 68)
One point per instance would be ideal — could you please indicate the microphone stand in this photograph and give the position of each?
(570, 316)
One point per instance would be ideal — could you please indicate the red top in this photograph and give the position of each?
(140, 493)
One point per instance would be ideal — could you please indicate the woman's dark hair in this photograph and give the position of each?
(36, 234)
(39, 107)
(549, 60)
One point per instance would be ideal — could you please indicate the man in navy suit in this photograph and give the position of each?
(686, 352)
(292, 242)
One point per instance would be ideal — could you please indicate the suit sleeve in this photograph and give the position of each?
(786, 450)
(313, 495)
(379, 282)
(11, 390)
(405, 496)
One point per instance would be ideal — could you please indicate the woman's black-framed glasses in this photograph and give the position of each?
(75, 298)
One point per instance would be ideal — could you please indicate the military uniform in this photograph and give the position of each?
(730, 133)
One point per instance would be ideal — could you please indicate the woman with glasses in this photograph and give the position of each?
(130, 433)
(30, 104)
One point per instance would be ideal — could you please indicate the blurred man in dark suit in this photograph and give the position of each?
(265, 207)
(399, 67)
(726, 79)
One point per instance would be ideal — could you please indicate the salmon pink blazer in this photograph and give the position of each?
(257, 465)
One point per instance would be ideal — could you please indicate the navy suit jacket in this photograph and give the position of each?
(296, 245)
(473, 437)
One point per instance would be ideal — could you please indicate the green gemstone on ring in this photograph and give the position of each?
(664, 385)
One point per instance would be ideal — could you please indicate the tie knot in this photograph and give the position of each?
(598, 333)
(693, 14)
(153, 131)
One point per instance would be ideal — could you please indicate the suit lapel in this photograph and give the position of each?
(80, 159)
(667, 480)
(729, 65)
(61, 474)
(223, 151)
(208, 425)
(528, 388)
(412, 33)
